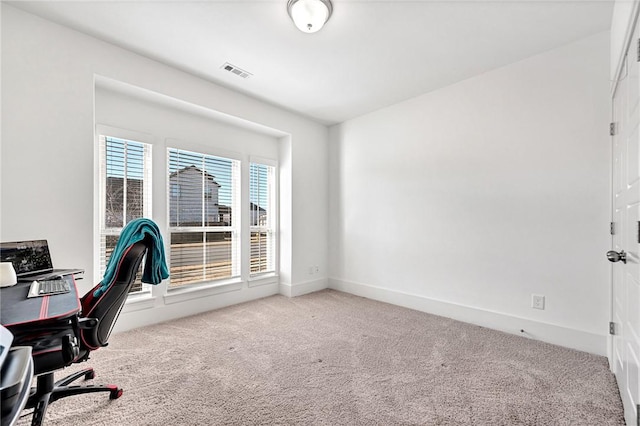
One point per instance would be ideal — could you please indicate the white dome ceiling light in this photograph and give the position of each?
(309, 15)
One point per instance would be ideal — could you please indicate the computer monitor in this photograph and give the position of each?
(27, 257)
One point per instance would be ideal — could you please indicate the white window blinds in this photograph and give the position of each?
(262, 217)
(203, 198)
(125, 191)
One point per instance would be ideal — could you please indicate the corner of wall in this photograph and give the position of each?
(299, 289)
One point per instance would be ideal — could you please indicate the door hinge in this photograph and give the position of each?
(612, 129)
(638, 414)
(638, 235)
(638, 50)
(612, 228)
(612, 328)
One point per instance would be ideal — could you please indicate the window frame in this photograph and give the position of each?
(272, 225)
(235, 228)
(102, 231)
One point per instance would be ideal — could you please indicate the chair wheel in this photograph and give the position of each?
(115, 394)
(89, 375)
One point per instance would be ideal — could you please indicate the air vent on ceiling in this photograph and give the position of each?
(235, 70)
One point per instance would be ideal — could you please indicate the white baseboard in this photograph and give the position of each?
(550, 333)
(153, 310)
(298, 289)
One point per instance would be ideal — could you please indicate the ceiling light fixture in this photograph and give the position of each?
(309, 15)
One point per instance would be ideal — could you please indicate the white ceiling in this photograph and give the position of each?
(370, 54)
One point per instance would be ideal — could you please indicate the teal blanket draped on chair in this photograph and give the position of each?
(155, 267)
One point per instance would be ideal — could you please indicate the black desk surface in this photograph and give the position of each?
(17, 309)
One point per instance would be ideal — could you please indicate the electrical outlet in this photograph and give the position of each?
(537, 301)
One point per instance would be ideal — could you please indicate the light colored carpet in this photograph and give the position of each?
(331, 358)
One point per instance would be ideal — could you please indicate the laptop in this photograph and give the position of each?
(32, 260)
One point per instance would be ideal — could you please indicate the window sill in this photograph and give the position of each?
(138, 302)
(178, 295)
(270, 278)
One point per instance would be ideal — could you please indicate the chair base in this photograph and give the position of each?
(47, 391)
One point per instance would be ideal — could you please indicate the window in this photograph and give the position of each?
(203, 198)
(125, 192)
(262, 216)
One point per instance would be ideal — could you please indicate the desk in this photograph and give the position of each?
(18, 312)
(40, 322)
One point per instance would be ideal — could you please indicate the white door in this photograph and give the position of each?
(626, 238)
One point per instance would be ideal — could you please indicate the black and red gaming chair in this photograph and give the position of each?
(90, 331)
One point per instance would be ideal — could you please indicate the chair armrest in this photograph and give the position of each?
(88, 323)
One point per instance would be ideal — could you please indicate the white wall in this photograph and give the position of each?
(465, 201)
(47, 173)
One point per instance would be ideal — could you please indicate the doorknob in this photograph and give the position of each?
(614, 256)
